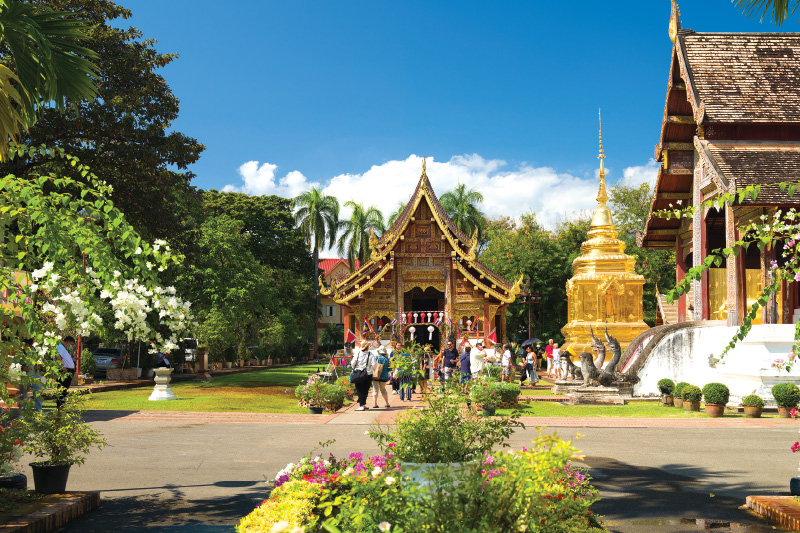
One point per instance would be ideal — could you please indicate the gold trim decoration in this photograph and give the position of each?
(322, 289)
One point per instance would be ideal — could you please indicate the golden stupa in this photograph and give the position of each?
(605, 290)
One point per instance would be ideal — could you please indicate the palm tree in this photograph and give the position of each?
(49, 66)
(396, 214)
(355, 232)
(461, 205)
(317, 218)
(780, 9)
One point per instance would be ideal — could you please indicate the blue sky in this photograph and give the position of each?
(503, 95)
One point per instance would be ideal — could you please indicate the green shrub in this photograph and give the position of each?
(716, 393)
(786, 394)
(690, 393)
(752, 401)
(88, 364)
(348, 388)
(668, 383)
(679, 388)
(506, 392)
(317, 393)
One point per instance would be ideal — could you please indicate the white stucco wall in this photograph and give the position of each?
(683, 355)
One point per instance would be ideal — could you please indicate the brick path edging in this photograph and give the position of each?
(783, 511)
(55, 515)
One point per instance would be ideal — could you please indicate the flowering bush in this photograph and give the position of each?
(481, 391)
(348, 388)
(316, 393)
(537, 489)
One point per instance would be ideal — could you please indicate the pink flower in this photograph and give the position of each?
(392, 445)
(794, 413)
(797, 277)
(795, 447)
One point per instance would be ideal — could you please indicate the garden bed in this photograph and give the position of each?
(39, 513)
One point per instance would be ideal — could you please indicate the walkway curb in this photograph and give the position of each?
(70, 506)
(783, 511)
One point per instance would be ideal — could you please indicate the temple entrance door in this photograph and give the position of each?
(421, 336)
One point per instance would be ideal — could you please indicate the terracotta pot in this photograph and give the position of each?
(678, 402)
(667, 400)
(715, 410)
(752, 411)
(785, 412)
(691, 406)
(227, 364)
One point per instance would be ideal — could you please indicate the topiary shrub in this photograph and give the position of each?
(786, 394)
(679, 389)
(690, 393)
(668, 383)
(716, 393)
(506, 392)
(752, 401)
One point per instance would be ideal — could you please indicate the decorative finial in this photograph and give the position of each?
(602, 197)
(423, 166)
(674, 21)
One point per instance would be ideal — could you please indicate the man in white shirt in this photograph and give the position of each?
(508, 367)
(67, 369)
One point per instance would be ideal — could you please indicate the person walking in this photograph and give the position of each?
(508, 365)
(557, 361)
(464, 360)
(548, 356)
(530, 366)
(405, 379)
(476, 359)
(363, 361)
(426, 370)
(379, 381)
(449, 360)
(67, 370)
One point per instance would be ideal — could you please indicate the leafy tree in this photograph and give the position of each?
(462, 206)
(393, 216)
(778, 10)
(49, 66)
(631, 206)
(332, 336)
(317, 218)
(354, 238)
(124, 134)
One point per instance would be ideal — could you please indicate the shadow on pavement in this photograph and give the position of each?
(646, 499)
(170, 512)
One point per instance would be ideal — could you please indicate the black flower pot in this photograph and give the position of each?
(50, 479)
(315, 410)
(14, 482)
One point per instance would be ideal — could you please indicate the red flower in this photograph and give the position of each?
(795, 447)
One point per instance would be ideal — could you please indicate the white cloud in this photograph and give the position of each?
(261, 180)
(552, 195)
(635, 176)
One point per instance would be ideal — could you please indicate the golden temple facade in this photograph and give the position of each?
(605, 289)
(423, 281)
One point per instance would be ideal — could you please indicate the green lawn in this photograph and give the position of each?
(264, 391)
(652, 409)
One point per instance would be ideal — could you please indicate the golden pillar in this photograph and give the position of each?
(605, 290)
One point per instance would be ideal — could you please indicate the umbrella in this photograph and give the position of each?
(530, 342)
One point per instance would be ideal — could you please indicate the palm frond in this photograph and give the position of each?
(780, 9)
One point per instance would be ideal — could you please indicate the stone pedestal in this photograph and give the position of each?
(563, 386)
(162, 390)
(595, 395)
(202, 365)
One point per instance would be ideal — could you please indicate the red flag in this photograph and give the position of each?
(493, 336)
(350, 337)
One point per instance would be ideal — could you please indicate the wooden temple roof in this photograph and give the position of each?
(464, 250)
(728, 86)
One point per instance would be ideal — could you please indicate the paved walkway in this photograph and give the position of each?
(200, 472)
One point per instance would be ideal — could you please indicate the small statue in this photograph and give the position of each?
(598, 345)
(616, 350)
(571, 367)
(593, 377)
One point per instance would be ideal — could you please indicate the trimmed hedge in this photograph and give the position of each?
(507, 392)
(679, 388)
(668, 383)
(753, 400)
(716, 393)
(691, 393)
(786, 394)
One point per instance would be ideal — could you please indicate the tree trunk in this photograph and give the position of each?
(316, 297)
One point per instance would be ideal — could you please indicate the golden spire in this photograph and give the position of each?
(423, 166)
(674, 21)
(602, 197)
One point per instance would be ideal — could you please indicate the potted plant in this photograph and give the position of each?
(787, 396)
(88, 366)
(691, 396)
(666, 386)
(715, 395)
(676, 393)
(753, 404)
(318, 395)
(443, 435)
(483, 395)
(59, 438)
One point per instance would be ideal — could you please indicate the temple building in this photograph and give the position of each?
(423, 281)
(605, 291)
(731, 120)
